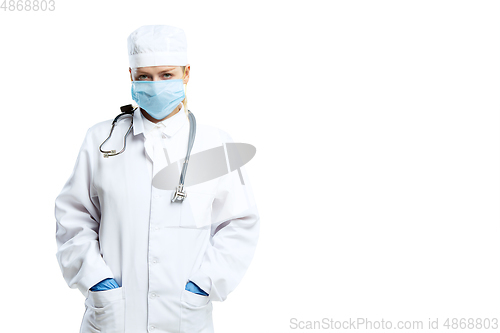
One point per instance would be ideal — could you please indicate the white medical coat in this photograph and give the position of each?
(112, 223)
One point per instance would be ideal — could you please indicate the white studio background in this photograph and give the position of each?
(376, 125)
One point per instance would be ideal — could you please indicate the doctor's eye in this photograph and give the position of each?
(167, 75)
(142, 77)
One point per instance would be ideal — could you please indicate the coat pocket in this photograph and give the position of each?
(105, 311)
(196, 210)
(196, 313)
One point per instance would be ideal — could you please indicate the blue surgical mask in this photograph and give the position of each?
(158, 98)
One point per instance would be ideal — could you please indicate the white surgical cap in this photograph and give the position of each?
(157, 45)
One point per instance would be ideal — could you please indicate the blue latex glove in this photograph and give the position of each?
(192, 287)
(105, 284)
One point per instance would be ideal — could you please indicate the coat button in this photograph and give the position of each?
(152, 328)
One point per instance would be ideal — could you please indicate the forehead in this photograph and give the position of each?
(154, 69)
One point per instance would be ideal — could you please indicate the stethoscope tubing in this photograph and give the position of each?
(179, 193)
(113, 152)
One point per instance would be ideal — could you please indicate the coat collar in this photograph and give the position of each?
(169, 126)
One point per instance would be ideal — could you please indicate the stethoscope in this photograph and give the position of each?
(179, 193)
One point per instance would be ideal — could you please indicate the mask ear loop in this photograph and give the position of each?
(131, 80)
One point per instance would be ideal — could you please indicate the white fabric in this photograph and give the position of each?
(112, 223)
(157, 45)
(155, 135)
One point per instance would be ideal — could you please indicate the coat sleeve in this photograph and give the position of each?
(234, 235)
(77, 213)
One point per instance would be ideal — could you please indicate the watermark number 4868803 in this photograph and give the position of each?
(28, 5)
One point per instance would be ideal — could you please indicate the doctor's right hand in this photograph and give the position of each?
(105, 284)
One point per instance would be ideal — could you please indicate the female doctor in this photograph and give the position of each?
(143, 262)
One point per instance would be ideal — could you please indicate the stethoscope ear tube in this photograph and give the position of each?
(179, 193)
(127, 110)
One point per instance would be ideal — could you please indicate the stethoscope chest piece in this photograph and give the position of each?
(179, 193)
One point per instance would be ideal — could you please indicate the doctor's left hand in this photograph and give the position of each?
(105, 284)
(192, 287)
